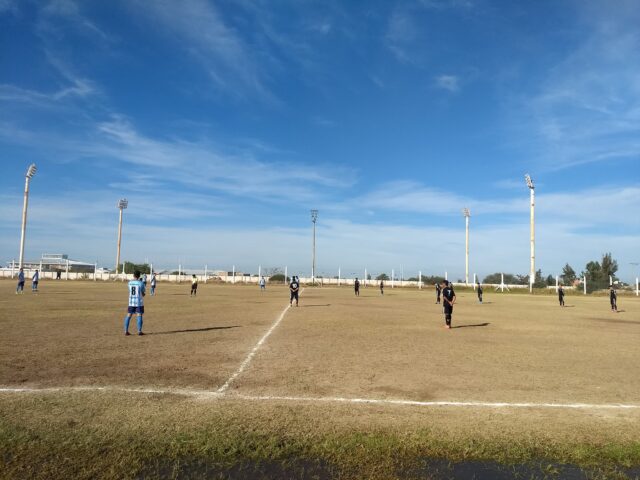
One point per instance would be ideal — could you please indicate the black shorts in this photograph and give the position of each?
(448, 309)
(294, 295)
(138, 310)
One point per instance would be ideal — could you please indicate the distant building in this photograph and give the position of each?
(55, 262)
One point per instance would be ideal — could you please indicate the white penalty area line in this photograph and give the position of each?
(215, 395)
(243, 366)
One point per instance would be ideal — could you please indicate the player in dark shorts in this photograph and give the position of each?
(480, 293)
(20, 287)
(381, 287)
(448, 299)
(294, 288)
(561, 295)
(613, 298)
(438, 289)
(194, 285)
(356, 287)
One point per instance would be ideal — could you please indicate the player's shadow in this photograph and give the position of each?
(568, 306)
(193, 330)
(472, 325)
(308, 306)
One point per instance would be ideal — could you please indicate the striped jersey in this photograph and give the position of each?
(136, 289)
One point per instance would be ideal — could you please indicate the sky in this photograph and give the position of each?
(224, 122)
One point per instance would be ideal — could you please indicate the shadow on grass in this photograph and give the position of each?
(473, 325)
(193, 330)
(309, 306)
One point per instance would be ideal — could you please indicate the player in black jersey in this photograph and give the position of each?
(438, 289)
(294, 288)
(356, 287)
(561, 295)
(613, 298)
(448, 299)
(479, 292)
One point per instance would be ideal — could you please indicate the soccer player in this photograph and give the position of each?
(479, 290)
(20, 287)
(448, 299)
(136, 302)
(381, 287)
(613, 298)
(194, 286)
(294, 288)
(34, 281)
(561, 295)
(144, 280)
(263, 284)
(356, 287)
(153, 284)
(438, 288)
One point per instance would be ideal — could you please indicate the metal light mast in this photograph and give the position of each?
(122, 204)
(31, 171)
(314, 219)
(532, 270)
(467, 214)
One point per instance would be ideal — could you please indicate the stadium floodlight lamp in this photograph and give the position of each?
(314, 215)
(32, 170)
(527, 177)
(123, 203)
(466, 212)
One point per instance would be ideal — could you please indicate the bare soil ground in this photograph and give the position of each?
(513, 348)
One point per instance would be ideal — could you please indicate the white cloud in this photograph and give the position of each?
(448, 82)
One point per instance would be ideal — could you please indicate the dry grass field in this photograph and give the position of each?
(232, 384)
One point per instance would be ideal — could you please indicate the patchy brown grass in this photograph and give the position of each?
(521, 349)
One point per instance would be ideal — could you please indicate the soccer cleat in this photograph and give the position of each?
(140, 333)
(127, 334)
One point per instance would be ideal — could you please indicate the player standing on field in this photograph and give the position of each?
(34, 281)
(613, 298)
(438, 288)
(263, 284)
(136, 302)
(194, 286)
(381, 287)
(20, 287)
(480, 292)
(153, 284)
(356, 287)
(294, 288)
(448, 299)
(561, 295)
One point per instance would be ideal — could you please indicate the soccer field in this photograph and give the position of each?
(517, 379)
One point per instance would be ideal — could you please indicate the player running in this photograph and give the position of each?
(153, 284)
(561, 295)
(448, 299)
(20, 287)
(613, 298)
(34, 281)
(263, 284)
(356, 287)
(194, 286)
(381, 287)
(479, 292)
(438, 289)
(136, 302)
(294, 288)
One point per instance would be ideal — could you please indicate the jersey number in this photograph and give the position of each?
(134, 291)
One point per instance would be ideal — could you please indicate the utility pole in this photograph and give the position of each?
(122, 205)
(532, 270)
(31, 171)
(314, 219)
(467, 214)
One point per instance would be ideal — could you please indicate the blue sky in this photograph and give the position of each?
(224, 122)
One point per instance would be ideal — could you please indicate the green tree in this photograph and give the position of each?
(609, 266)
(130, 267)
(568, 274)
(550, 280)
(382, 276)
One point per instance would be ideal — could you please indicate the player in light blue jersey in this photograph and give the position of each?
(136, 302)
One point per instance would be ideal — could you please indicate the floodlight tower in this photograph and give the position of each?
(314, 219)
(31, 171)
(122, 204)
(532, 269)
(467, 214)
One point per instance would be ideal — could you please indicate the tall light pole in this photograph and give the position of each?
(467, 214)
(532, 269)
(314, 219)
(122, 204)
(31, 171)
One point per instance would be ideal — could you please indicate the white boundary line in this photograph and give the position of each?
(253, 352)
(215, 395)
